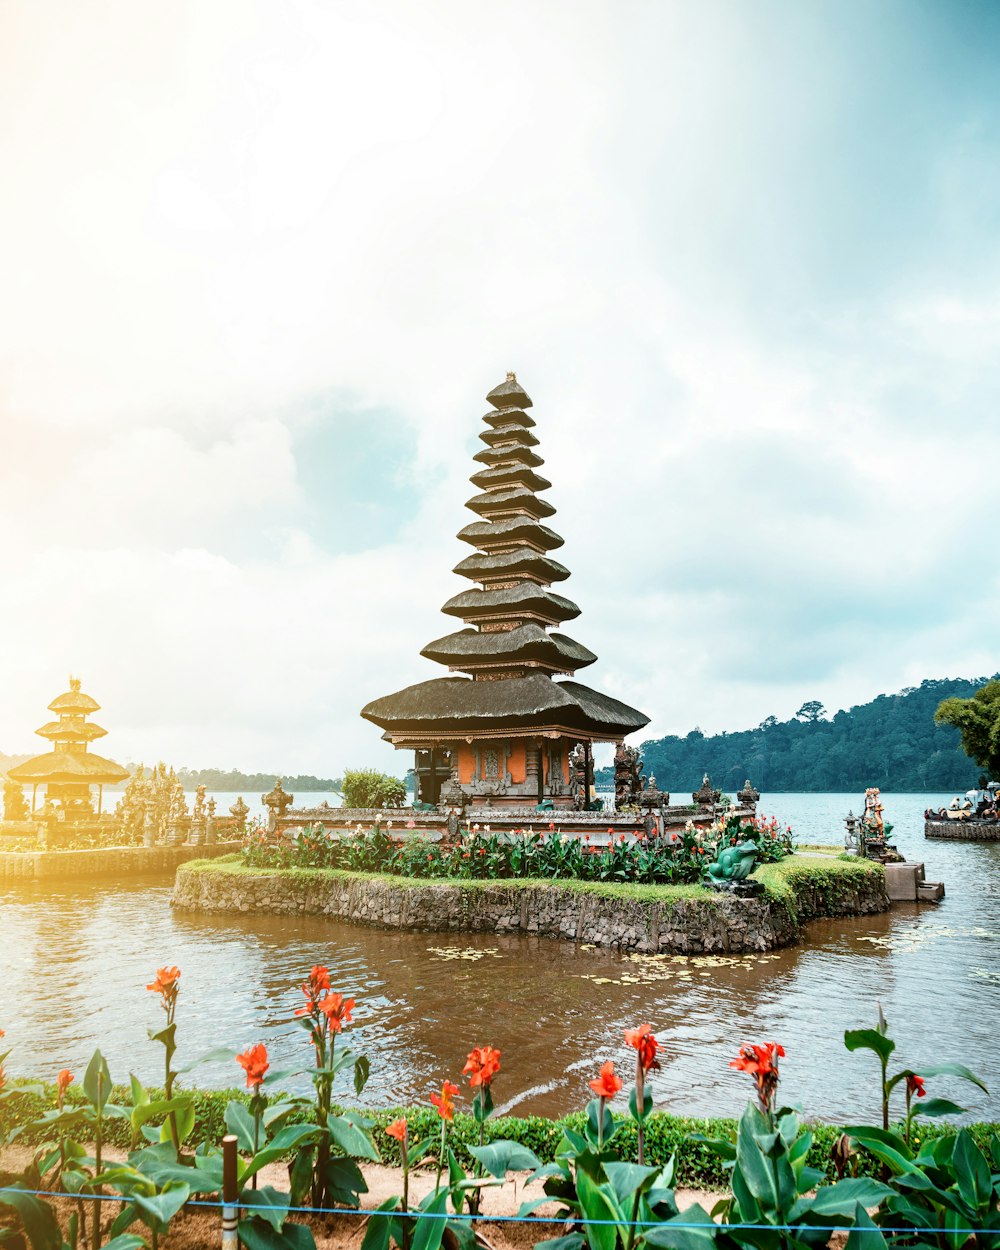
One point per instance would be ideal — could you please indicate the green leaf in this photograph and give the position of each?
(937, 1106)
(139, 1095)
(887, 1146)
(752, 1163)
(954, 1069)
(377, 1230)
(290, 1138)
(842, 1197)
(97, 1081)
(269, 1203)
(503, 1156)
(239, 1121)
(361, 1070)
(183, 1120)
(598, 1205)
(864, 1234)
(430, 1231)
(870, 1039)
(212, 1056)
(572, 1241)
(163, 1169)
(647, 1103)
(37, 1217)
(677, 1233)
(125, 1241)
(352, 1140)
(973, 1172)
(626, 1178)
(256, 1234)
(345, 1181)
(159, 1209)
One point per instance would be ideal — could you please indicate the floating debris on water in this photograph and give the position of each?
(471, 953)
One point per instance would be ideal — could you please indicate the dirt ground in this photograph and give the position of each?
(194, 1228)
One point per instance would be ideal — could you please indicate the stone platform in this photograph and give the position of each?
(111, 862)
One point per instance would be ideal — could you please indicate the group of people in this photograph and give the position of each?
(983, 803)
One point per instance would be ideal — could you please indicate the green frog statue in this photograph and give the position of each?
(735, 863)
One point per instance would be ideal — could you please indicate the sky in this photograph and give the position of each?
(261, 263)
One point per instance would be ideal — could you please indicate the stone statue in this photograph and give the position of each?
(241, 811)
(735, 863)
(578, 772)
(277, 801)
(199, 811)
(748, 796)
(628, 776)
(14, 806)
(707, 796)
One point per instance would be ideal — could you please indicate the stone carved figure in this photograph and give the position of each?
(14, 805)
(748, 796)
(628, 776)
(277, 801)
(578, 772)
(707, 796)
(241, 811)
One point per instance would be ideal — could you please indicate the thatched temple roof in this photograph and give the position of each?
(509, 651)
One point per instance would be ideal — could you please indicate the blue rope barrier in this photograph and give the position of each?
(485, 1217)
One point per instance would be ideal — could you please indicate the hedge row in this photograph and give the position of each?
(697, 1166)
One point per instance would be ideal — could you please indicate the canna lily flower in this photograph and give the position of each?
(645, 1044)
(397, 1129)
(166, 985)
(915, 1085)
(761, 1062)
(445, 1107)
(607, 1084)
(3, 1078)
(63, 1081)
(337, 1010)
(254, 1063)
(482, 1065)
(411, 824)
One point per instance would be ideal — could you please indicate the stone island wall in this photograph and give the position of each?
(111, 862)
(963, 830)
(685, 925)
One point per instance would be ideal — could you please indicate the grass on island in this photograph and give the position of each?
(780, 880)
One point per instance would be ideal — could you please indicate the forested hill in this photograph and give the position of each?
(891, 742)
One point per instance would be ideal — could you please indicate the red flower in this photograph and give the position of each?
(63, 1081)
(397, 1129)
(552, 824)
(254, 1063)
(645, 1044)
(915, 1085)
(337, 1010)
(482, 1065)
(166, 984)
(761, 1062)
(610, 830)
(607, 1084)
(673, 837)
(446, 1108)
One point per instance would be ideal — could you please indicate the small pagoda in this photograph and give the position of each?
(70, 769)
(503, 735)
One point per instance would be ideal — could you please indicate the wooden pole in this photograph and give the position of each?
(230, 1194)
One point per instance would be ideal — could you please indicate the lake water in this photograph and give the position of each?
(78, 955)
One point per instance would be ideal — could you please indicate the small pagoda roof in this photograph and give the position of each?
(72, 729)
(460, 707)
(517, 499)
(57, 766)
(488, 534)
(508, 475)
(513, 454)
(509, 416)
(74, 701)
(528, 643)
(510, 433)
(513, 600)
(509, 394)
(524, 561)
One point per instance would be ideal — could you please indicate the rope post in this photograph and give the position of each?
(230, 1194)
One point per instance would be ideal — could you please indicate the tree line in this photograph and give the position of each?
(892, 742)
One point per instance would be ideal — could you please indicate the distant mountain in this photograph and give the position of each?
(891, 742)
(231, 779)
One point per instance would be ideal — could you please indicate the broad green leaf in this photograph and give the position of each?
(158, 1210)
(37, 1217)
(256, 1234)
(125, 1241)
(139, 1095)
(572, 1241)
(647, 1103)
(239, 1121)
(377, 1230)
(501, 1157)
(601, 1210)
(361, 1070)
(864, 1235)
(430, 1231)
(290, 1138)
(156, 1110)
(842, 1197)
(870, 1039)
(352, 1140)
(887, 1146)
(183, 1120)
(692, 1229)
(345, 1181)
(973, 1172)
(97, 1081)
(212, 1056)
(626, 1178)
(937, 1106)
(753, 1165)
(269, 1203)
(954, 1069)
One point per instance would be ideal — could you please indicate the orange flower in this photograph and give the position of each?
(482, 1065)
(645, 1044)
(166, 984)
(915, 1085)
(3, 1078)
(761, 1062)
(397, 1129)
(446, 1108)
(254, 1063)
(63, 1081)
(607, 1084)
(337, 1010)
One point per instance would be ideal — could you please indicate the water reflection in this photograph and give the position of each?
(80, 954)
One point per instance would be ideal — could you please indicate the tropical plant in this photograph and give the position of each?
(367, 788)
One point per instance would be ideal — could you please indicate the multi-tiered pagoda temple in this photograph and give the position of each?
(504, 733)
(69, 769)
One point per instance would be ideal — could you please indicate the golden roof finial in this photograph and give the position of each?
(511, 375)
(74, 683)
